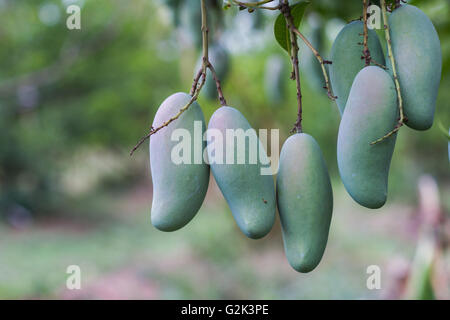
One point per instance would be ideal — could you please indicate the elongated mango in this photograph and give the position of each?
(305, 201)
(179, 186)
(370, 113)
(417, 52)
(346, 59)
(237, 170)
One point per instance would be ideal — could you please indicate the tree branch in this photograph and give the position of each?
(366, 52)
(286, 10)
(321, 61)
(175, 117)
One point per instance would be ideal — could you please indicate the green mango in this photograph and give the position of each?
(417, 52)
(305, 201)
(346, 54)
(370, 113)
(178, 189)
(249, 194)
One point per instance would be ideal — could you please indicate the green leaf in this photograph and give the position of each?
(280, 29)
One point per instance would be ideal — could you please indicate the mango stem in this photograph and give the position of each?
(321, 61)
(402, 118)
(286, 10)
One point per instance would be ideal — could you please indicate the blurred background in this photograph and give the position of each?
(74, 102)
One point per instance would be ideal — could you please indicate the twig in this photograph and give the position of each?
(222, 100)
(194, 87)
(377, 64)
(197, 83)
(286, 10)
(175, 117)
(366, 51)
(321, 61)
(402, 119)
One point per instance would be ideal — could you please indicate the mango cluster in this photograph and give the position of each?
(367, 97)
(367, 101)
(303, 194)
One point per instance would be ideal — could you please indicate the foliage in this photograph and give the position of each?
(62, 92)
(280, 28)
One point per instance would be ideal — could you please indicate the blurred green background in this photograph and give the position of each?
(74, 102)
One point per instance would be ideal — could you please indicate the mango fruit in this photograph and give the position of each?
(305, 201)
(249, 194)
(346, 59)
(178, 188)
(417, 52)
(370, 113)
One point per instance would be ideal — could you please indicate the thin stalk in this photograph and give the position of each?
(294, 59)
(402, 118)
(321, 61)
(366, 52)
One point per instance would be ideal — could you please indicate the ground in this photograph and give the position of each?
(122, 256)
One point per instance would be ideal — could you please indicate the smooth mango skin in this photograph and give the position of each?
(305, 201)
(250, 195)
(417, 52)
(346, 59)
(370, 113)
(178, 190)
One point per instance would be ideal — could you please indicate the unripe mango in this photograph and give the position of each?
(370, 113)
(249, 194)
(417, 52)
(346, 59)
(178, 189)
(305, 201)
